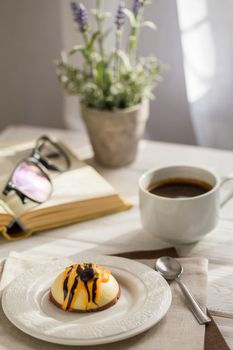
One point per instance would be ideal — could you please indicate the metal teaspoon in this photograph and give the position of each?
(170, 269)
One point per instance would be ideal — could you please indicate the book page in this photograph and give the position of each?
(3, 209)
(79, 183)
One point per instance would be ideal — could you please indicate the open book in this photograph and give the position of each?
(80, 193)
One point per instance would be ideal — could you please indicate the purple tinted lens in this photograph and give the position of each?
(32, 182)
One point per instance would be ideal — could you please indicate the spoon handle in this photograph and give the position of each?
(201, 317)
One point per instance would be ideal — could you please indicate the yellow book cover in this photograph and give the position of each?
(78, 194)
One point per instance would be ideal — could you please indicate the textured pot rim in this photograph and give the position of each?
(119, 110)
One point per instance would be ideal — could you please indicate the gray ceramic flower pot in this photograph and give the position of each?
(115, 135)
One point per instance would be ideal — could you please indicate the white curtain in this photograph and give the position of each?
(206, 31)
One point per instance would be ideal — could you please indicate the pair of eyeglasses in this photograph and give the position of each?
(30, 179)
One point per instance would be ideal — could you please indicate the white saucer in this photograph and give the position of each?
(145, 299)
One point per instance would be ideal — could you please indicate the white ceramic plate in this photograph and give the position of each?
(145, 299)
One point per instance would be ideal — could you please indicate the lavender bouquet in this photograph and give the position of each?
(109, 80)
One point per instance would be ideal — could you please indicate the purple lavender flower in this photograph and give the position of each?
(120, 16)
(80, 15)
(136, 7)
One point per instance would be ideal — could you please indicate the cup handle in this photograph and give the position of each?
(224, 180)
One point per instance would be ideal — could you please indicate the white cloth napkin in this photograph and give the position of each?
(178, 330)
(17, 263)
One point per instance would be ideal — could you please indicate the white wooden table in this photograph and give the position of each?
(123, 232)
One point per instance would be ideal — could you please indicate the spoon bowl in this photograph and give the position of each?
(168, 267)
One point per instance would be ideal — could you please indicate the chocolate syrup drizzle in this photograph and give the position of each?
(94, 289)
(65, 283)
(88, 293)
(72, 291)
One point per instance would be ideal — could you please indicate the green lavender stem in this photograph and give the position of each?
(117, 59)
(99, 21)
(87, 55)
(134, 35)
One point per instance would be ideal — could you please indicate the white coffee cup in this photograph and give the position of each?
(180, 220)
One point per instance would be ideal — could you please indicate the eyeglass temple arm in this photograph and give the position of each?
(42, 139)
(45, 138)
(10, 187)
(47, 165)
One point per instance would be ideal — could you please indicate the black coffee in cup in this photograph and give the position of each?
(179, 188)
